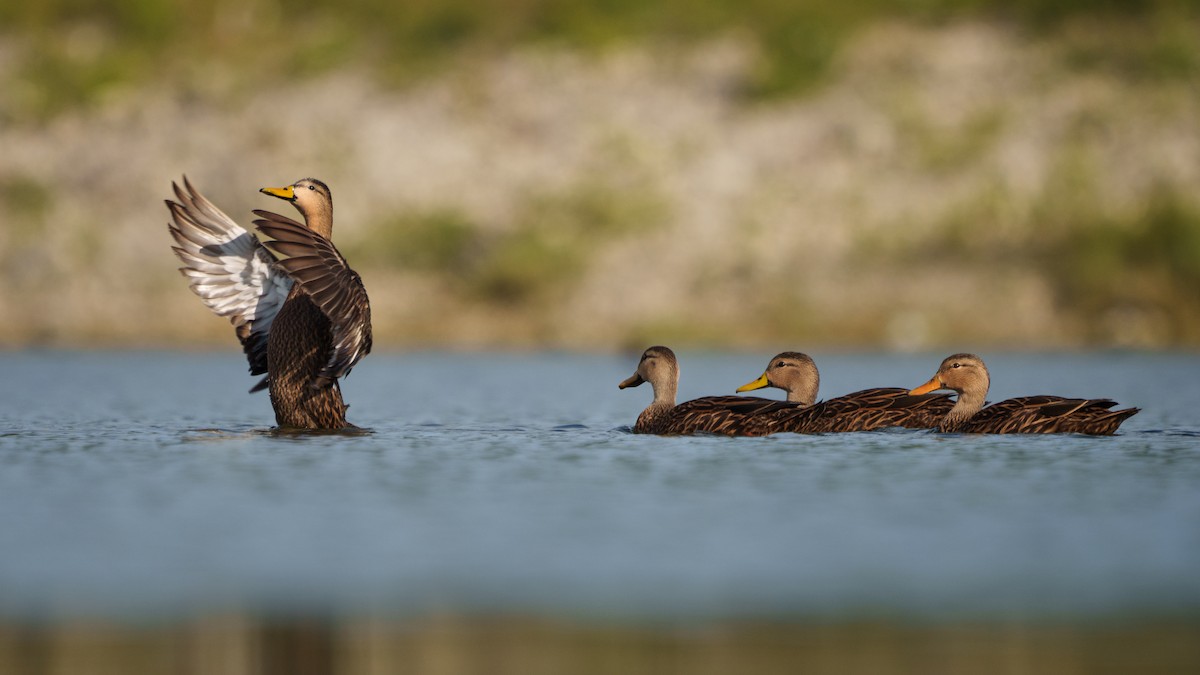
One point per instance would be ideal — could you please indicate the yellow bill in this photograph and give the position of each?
(757, 384)
(287, 193)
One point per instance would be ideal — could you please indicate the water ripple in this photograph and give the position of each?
(146, 498)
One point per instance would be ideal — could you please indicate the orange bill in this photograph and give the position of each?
(932, 385)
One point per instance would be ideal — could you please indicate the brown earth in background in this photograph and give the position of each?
(952, 187)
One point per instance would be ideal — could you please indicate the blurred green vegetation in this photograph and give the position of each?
(25, 198)
(26, 202)
(536, 256)
(1099, 256)
(1147, 260)
(77, 49)
(1101, 263)
(943, 151)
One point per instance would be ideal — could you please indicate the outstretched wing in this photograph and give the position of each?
(313, 262)
(230, 271)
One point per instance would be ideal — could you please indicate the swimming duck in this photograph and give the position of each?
(967, 375)
(877, 408)
(795, 373)
(298, 309)
(729, 415)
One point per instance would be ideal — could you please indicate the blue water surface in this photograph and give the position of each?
(150, 484)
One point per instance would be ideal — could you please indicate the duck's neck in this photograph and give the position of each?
(969, 402)
(664, 394)
(805, 396)
(320, 221)
(658, 411)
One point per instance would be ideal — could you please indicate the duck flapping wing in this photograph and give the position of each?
(323, 274)
(229, 269)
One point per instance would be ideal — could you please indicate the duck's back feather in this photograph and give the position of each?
(728, 415)
(869, 409)
(1044, 415)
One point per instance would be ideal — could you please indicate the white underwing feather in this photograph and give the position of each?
(227, 267)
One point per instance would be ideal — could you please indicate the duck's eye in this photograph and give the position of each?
(957, 365)
(312, 187)
(780, 364)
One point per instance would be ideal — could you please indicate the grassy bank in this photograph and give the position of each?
(601, 175)
(75, 51)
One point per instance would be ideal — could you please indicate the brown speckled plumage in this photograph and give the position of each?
(865, 410)
(296, 351)
(301, 313)
(967, 375)
(868, 410)
(727, 415)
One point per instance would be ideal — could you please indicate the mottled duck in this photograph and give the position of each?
(865, 410)
(298, 309)
(967, 375)
(728, 415)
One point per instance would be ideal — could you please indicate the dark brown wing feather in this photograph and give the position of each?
(728, 415)
(1046, 415)
(869, 409)
(323, 274)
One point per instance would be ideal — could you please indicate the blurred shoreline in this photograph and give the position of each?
(961, 183)
(234, 644)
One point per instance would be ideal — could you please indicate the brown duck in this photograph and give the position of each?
(298, 309)
(728, 415)
(865, 410)
(967, 375)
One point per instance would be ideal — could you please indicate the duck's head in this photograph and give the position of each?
(963, 373)
(658, 367)
(792, 372)
(312, 199)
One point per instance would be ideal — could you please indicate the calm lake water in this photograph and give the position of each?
(149, 484)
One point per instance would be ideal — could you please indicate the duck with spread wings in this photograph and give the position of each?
(300, 312)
